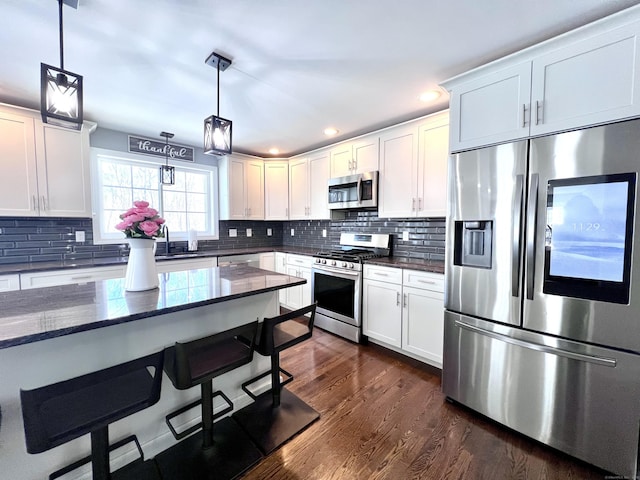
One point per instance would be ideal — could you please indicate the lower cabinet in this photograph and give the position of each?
(9, 283)
(70, 276)
(405, 309)
(300, 295)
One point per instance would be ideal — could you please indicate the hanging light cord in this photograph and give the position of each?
(61, 36)
(166, 151)
(218, 64)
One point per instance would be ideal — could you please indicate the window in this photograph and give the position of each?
(120, 178)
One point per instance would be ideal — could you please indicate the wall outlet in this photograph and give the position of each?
(405, 236)
(293, 232)
(80, 237)
(324, 232)
(269, 232)
(249, 232)
(233, 232)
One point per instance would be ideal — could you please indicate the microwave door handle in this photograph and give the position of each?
(359, 189)
(532, 218)
(517, 226)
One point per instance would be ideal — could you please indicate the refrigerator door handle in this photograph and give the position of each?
(517, 225)
(532, 218)
(582, 357)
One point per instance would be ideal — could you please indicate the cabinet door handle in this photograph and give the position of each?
(419, 203)
(397, 298)
(524, 115)
(33, 202)
(413, 204)
(404, 300)
(538, 116)
(44, 203)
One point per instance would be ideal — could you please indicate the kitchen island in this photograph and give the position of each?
(54, 333)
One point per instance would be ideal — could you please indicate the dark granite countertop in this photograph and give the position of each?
(38, 314)
(398, 262)
(432, 266)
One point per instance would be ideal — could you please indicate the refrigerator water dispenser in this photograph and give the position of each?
(473, 243)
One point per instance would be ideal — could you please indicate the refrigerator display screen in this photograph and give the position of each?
(588, 237)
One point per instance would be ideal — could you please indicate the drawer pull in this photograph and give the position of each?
(428, 282)
(81, 277)
(381, 274)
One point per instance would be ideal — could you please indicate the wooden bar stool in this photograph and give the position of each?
(60, 412)
(224, 451)
(277, 415)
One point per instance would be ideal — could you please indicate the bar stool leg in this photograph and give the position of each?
(206, 390)
(275, 379)
(100, 454)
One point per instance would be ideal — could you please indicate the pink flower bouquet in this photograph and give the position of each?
(141, 221)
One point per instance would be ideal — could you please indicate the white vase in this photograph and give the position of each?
(141, 267)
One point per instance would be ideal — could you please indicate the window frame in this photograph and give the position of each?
(136, 159)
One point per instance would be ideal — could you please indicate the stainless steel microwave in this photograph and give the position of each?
(354, 191)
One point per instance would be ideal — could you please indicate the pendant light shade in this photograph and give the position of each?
(217, 135)
(167, 173)
(217, 130)
(60, 91)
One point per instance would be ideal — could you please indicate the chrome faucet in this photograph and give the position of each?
(166, 239)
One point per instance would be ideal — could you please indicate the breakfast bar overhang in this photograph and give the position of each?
(54, 333)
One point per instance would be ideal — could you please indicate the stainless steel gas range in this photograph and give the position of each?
(336, 282)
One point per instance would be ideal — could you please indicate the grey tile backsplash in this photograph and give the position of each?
(26, 239)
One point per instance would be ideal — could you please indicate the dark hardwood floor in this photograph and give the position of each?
(383, 416)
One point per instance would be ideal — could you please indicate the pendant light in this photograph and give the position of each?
(167, 173)
(61, 90)
(217, 130)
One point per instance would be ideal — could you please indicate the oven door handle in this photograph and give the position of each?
(345, 273)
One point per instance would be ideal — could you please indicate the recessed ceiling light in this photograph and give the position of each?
(274, 151)
(429, 96)
(330, 131)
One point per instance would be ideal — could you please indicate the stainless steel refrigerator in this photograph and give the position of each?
(542, 320)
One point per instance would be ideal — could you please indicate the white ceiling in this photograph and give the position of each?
(298, 65)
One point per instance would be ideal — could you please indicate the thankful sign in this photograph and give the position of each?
(160, 149)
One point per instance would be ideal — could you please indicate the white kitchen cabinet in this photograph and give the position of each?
(590, 82)
(70, 276)
(179, 265)
(281, 267)
(583, 78)
(308, 178)
(45, 168)
(9, 283)
(300, 295)
(491, 109)
(413, 168)
(268, 261)
(423, 315)
(241, 188)
(382, 311)
(276, 190)
(358, 156)
(404, 309)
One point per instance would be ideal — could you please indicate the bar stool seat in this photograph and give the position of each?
(277, 415)
(221, 450)
(60, 412)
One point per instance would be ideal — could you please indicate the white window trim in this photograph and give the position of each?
(96, 153)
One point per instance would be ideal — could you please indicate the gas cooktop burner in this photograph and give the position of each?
(353, 255)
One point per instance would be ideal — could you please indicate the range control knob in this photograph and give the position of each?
(344, 264)
(318, 260)
(333, 263)
(324, 262)
(351, 265)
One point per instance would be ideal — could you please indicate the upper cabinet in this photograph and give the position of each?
(45, 168)
(583, 78)
(276, 188)
(359, 156)
(241, 188)
(413, 168)
(308, 178)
